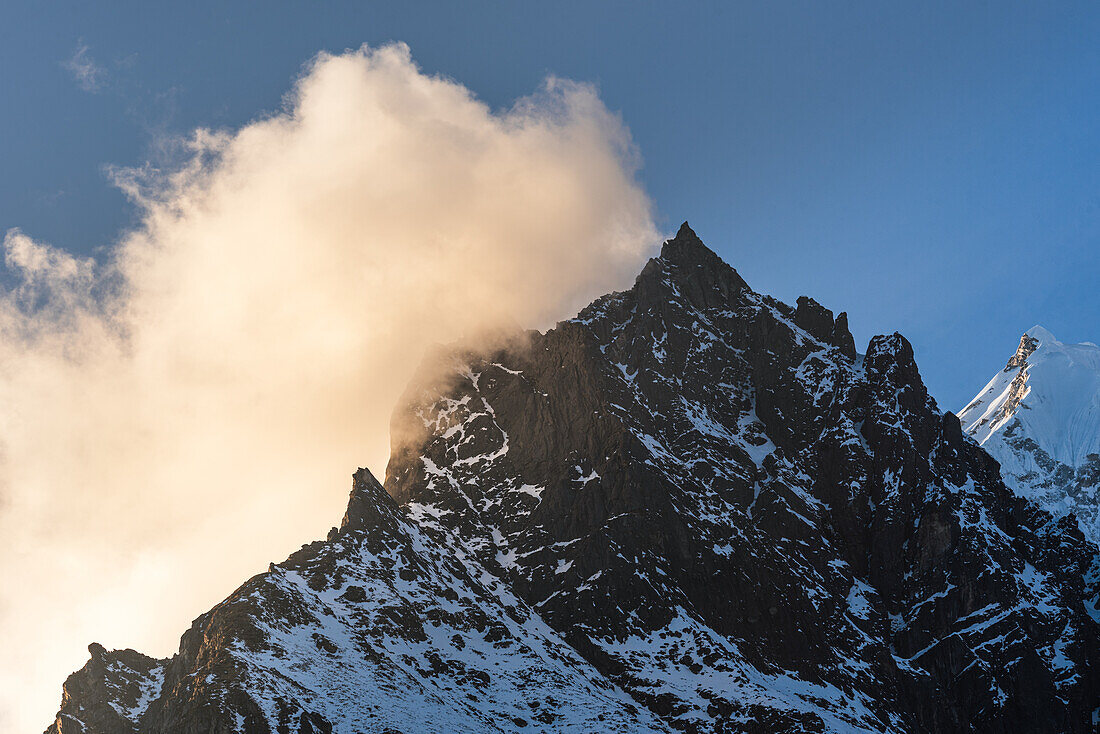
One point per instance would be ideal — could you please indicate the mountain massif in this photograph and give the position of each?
(690, 508)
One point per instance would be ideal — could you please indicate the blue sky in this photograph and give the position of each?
(933, 169)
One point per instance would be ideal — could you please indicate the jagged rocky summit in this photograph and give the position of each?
(1040, 418)
(691, 508)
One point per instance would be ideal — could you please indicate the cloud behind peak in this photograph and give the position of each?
(190, 406)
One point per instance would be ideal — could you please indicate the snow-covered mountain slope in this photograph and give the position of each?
(1040, 418)
(384, 627)
(692, 508)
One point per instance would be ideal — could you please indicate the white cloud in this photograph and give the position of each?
(88, 74)
(189, 408)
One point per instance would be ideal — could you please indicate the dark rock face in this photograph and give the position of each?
(107, 692)
(691, 508)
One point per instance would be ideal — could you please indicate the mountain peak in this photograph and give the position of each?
(686, 245)
(705, 278)
(1038, 418)
(677, 512)
(686, 232)
(1041, 334)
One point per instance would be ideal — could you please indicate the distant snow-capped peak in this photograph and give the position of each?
(1040, 418)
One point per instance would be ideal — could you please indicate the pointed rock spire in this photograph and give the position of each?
(687, 233)
(686, 247)
(814, 318)
(842, 336)
(1027, 347)
(702, 276)
(369, 506)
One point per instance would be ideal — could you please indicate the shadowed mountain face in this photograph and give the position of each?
(691, 508)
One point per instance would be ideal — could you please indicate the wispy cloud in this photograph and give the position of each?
(88, 74)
